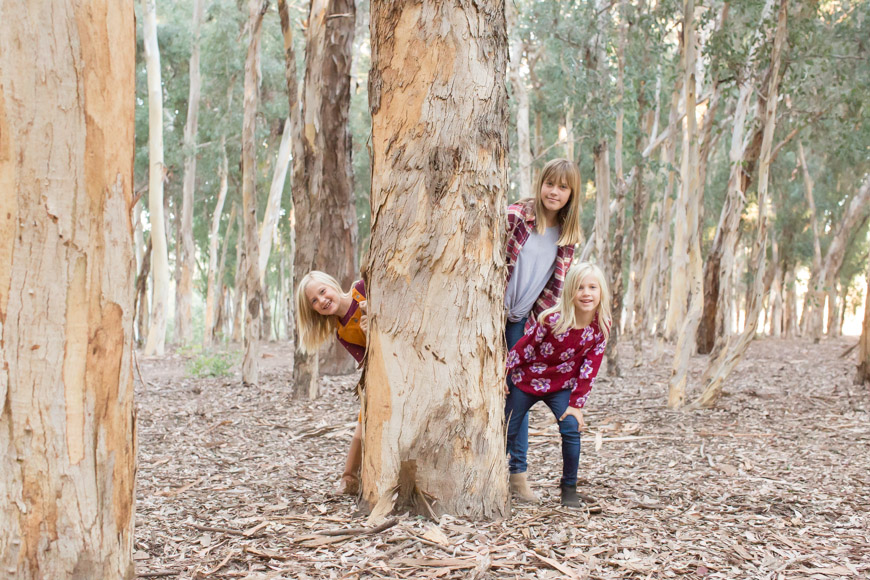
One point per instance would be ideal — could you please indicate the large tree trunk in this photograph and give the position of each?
(322, 172)
(67, 268)
(721, 365)
(253, 289)
(438, 190)
(156, 342)
(213, 241)
(690, 203)
(183, 330)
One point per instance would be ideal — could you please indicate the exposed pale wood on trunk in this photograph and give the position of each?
(689, 205)
(213, 241)
(183, 330)
(67, 268)
(156, 342)
(253, 289)
(721, 365)
(438, 191)
(273, 204)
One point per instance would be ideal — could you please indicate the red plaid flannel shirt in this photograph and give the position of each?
(520, 224)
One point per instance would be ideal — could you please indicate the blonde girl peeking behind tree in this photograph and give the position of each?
(323, 310)
(556, 361)
(542, 232)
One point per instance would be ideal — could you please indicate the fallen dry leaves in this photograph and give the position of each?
(237, 482)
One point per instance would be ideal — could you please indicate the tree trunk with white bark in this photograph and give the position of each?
(434, 404)
(67, 268)
(689, 205)
(213, 242)
(187, 265)
(253, 289)
(156, 343)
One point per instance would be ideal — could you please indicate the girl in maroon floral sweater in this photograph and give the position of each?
(556, 362)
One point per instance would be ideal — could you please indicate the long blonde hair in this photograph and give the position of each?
(313, 328)
(561, 171)
(565, 306)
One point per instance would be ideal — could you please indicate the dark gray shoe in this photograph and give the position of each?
(569, 496)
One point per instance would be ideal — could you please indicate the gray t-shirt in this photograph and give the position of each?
(535, 265)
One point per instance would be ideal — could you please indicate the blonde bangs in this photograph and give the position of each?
(561, 171)
(312, 328)
(565, 307)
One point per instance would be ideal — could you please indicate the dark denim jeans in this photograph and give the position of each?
(513, 332)
(517, 415)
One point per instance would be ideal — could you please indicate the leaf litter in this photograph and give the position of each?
(773, 483)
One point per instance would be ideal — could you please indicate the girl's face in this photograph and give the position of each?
(323, 299)
(588, 296)
(554, 194)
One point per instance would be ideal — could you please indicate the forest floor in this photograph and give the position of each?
(238, 482)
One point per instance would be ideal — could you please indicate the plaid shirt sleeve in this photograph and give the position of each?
(517, 232)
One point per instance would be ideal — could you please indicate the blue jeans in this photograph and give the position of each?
(513, 332)
(517, 414)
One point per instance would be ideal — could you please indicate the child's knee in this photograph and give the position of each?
(569, 426)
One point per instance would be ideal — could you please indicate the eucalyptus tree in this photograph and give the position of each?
(67, 266)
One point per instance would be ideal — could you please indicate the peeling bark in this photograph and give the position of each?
(433, 408)
(67, 268)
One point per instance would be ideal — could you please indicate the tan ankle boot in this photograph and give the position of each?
(519, 484)
(350, 478)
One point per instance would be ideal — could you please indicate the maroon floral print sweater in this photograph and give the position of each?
(543, 362)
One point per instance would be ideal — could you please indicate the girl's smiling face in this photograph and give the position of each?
(555, 194)
(323, 299)
(588, 296)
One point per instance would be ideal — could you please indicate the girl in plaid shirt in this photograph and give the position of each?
(556, 361)
(542, 232)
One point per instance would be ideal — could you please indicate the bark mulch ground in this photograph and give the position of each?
(237, 482)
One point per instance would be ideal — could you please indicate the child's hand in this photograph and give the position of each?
(577, 414)
(364, 319)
